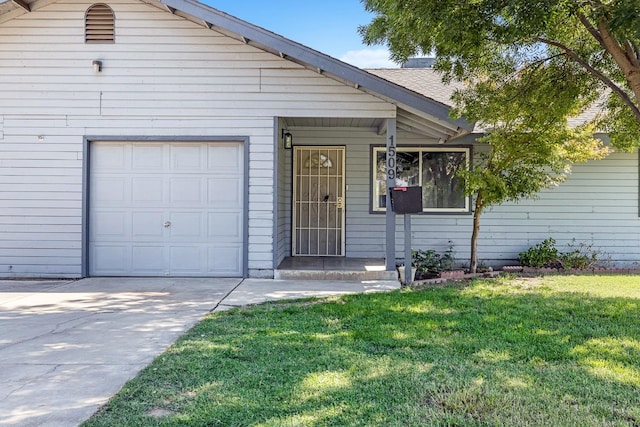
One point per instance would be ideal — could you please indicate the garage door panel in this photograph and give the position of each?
(159, 209)
(225, 226)
(224, 259)
(109, 190)
(147, 225)
(186, 259)
(146, 156)
(187, 190)
(147, 191)
(186, 157)
(109, 225)
(112, 157)
(186, 225)
(148, 260)
(225, 159)
(224, 192)
(110, 259)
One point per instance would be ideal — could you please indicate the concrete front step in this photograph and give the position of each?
(346, 275)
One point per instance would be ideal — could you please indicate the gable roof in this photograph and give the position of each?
(322, 63)
(425, 81)
(428, 82)
(415, 103)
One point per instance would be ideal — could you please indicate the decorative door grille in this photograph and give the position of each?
(318, 201)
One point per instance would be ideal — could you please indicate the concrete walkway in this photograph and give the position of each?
(67, 346)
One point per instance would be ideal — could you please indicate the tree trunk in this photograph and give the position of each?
(625, 57)
(473, 263)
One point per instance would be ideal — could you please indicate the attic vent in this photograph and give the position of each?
(99, 24)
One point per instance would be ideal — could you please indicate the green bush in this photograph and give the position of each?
(544, 254)
(430, 262)
(580, 256)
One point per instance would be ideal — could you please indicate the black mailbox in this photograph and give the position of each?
(406, 200)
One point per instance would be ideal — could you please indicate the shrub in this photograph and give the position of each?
(544, 254)
(580, 257)
(428, 261)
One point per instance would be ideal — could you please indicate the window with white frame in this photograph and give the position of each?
(433, 168)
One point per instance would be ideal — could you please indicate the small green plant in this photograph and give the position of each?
(426, 260)
(448, 259)
(544, 254)
(430, 262)
(483, 267)
(579, 257)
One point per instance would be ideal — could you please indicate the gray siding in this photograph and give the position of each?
(165, 76)
(598, 205)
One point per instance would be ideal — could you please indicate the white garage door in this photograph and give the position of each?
(166, 209)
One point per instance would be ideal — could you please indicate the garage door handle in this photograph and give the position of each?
(167, 224)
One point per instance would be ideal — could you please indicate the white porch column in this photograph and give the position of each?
(390, 233)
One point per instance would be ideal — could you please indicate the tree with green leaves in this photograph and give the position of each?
(521, 163)
(530, 68)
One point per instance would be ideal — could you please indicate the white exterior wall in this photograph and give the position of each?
(597, 205)
(165, 76)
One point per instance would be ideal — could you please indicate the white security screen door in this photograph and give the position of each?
(318, 201)
(166, 209)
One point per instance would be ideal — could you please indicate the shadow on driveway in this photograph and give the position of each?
(67, 346)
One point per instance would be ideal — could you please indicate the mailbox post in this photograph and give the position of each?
(406, 201)
(390, 216)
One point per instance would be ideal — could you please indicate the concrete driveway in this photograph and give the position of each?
(67, 346)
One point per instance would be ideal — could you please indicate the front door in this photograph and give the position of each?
(318, 201)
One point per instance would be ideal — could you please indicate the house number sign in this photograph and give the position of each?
(391, 161)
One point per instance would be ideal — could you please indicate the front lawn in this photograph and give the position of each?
(553, 351)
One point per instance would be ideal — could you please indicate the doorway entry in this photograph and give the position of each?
(318, 201)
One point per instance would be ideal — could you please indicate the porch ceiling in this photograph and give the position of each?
(332, 122)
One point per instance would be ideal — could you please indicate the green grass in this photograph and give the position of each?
(554, 351)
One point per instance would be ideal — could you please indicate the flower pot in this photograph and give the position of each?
(401, 274)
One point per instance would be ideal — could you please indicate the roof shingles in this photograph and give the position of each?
(425, 81)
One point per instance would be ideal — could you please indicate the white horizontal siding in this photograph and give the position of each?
(597, 205)
(164, 76)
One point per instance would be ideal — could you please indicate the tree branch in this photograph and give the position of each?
(604, 79)
(535, 65)
(601, 34)
(592, 30)
(617, 52)
(632, 53)
(539, 62)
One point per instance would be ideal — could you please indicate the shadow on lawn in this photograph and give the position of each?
(465, 356)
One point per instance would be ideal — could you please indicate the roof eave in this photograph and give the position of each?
(304, 55)
(317, 60)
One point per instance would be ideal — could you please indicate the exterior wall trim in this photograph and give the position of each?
(276, 150)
